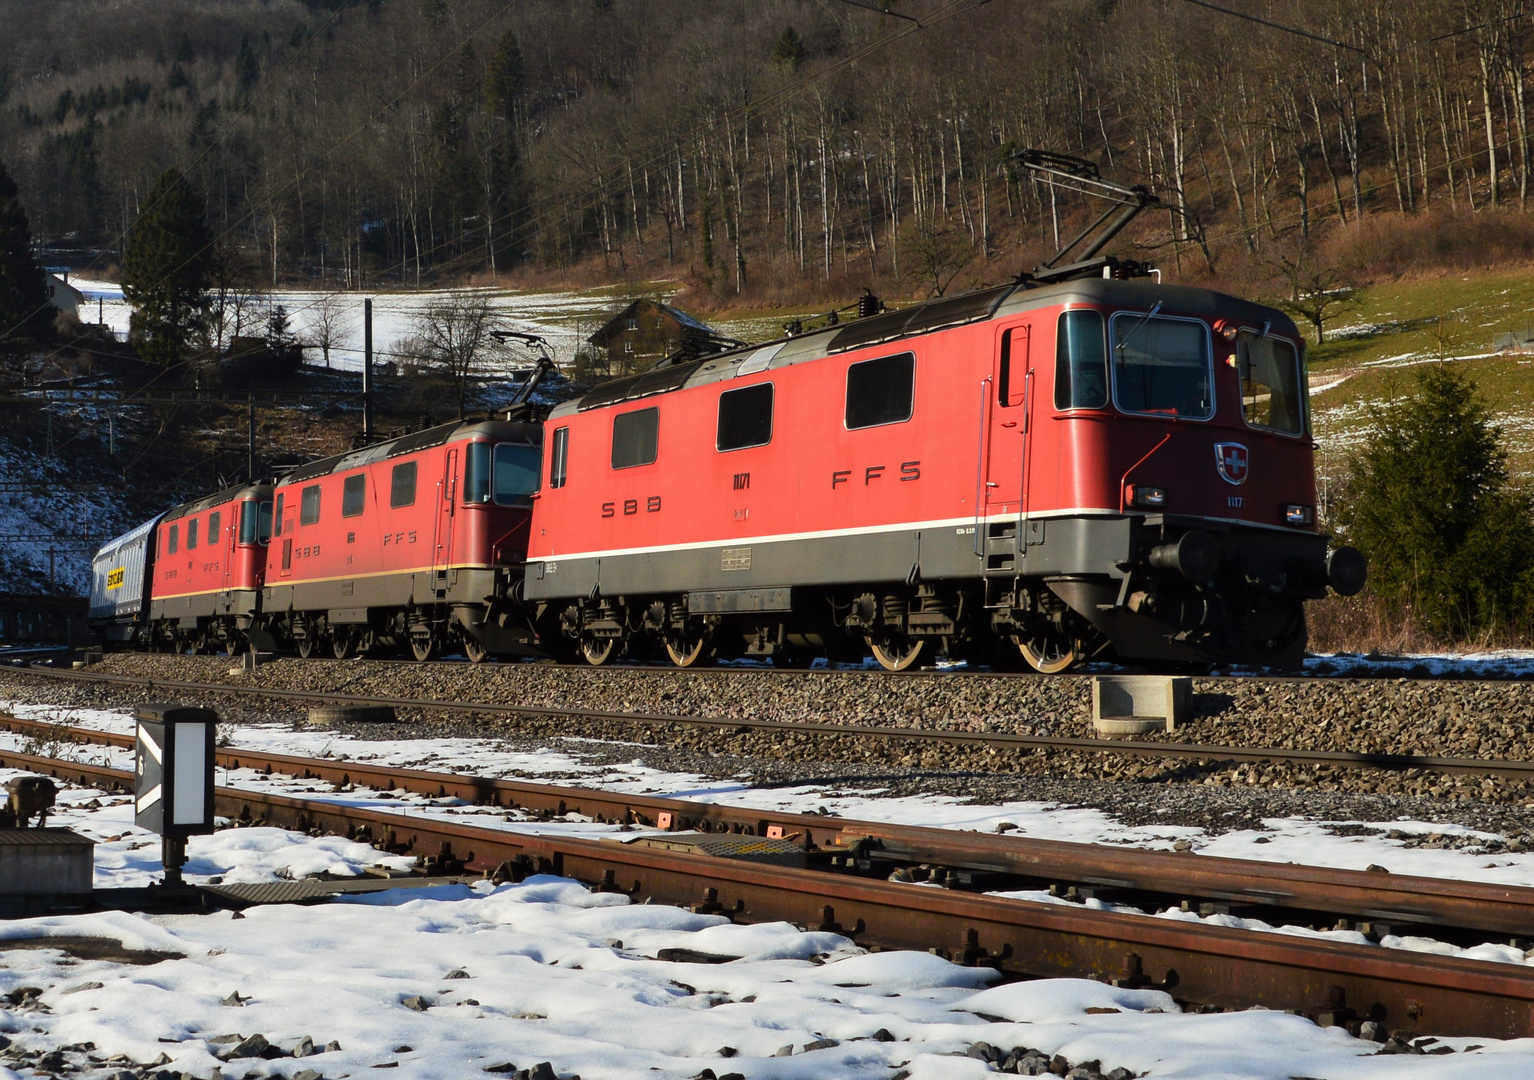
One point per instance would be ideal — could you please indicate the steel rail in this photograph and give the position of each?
(1346, 759)
(1203, 965)
(1371, 895)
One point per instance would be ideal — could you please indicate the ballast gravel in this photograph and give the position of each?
(1398, 716)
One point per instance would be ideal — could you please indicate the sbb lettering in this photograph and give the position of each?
(631, 507)
(399, 538)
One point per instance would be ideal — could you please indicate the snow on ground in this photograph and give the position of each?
(1487, 664)
(126, 857)
(544, 971)
(564, 318)
(570, 977)
(447, 982)
(26, 516)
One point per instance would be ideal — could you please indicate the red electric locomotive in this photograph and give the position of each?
(419, 539)
(210, 556)
(1057, 471)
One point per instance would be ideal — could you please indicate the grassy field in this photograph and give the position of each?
(1373, 348)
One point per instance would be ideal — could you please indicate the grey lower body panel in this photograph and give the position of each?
(930, 554)
(1096, 564)
(235, 603)
(353, 599)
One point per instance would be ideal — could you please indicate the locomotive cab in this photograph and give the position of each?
(1183, 475)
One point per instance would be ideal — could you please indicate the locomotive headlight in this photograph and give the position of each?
(1296, 514)
(1147, 497)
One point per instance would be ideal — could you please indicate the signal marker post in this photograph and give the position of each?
(173, 779)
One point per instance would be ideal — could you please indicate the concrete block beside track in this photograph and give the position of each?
(45, 862)
(1127, 705)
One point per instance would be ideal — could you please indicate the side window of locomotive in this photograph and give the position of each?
(476, 473)
(559, 463)
(402, 485)
(277, 515)
(881, 391)
(354, 494)
(636, 436)
(1012, 371)
(745, 417)
(215, 526)
(175, 540)
(191, 534)
(1162, 366)
(1272, 387)
(1081, 362)
(309, 505)
(264, 524)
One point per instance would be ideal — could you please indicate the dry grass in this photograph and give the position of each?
(1369, 624)
(1393, 246)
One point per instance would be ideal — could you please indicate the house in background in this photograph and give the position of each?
(646, 332)
(63, 295)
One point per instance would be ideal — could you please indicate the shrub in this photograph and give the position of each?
(1447, 534)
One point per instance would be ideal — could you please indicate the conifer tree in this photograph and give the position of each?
(167, 271)
(1433, 507)
(25, 314)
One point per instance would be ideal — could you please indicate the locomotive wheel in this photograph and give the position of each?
(688, 649)
(598, 651)
(342, 643)
(895, 652)
(307, 647)
(1046, 651)
(423, 648)
(474, 649)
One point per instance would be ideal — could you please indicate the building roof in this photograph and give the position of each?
(615, 325)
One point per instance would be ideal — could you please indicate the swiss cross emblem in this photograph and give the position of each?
(1230, 458)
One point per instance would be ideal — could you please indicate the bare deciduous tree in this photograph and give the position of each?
(325, 326)
(455, 335)
(933, 254)
(1313, 290)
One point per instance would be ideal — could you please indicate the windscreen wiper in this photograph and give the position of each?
(1135, 329)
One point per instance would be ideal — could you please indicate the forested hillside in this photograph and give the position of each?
(762, 148)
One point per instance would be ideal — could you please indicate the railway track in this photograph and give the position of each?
(1385, 669)
(1511, 768)
(843, 886)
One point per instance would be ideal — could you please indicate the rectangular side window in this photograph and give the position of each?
(476, 473)
(636, 436)
(191, 534)
(248, 522)
(559, 465)
(309, 505)
(354, 494)
(1081, 362)
(175, 539)
(215, 526)
(277, 515)
(1012, 371)
(402, 485)
(881, 391)
(745, 417)
(1272, 388)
